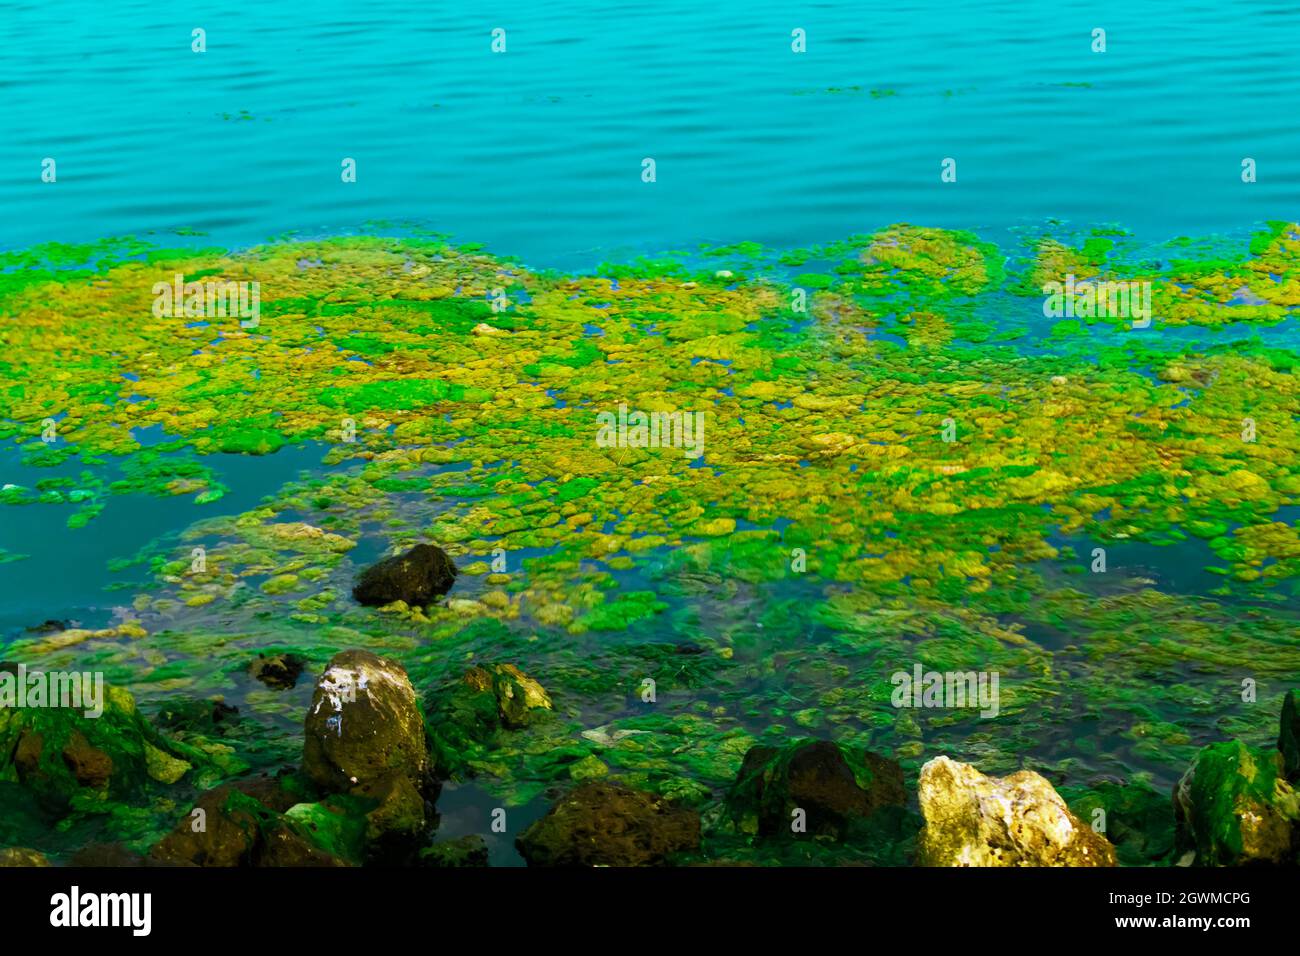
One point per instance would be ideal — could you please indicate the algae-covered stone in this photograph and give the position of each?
(467, 851)
(607, 824)
(811, 787)
(363, 725)
(61, 755)
(1018, 820)
(255, 823)
(1234, 806)
(365, 737)
(471, 715)
(416, 577)
(515, 692)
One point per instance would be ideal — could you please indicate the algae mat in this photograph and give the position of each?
(710, 500)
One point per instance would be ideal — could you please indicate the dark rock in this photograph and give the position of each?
(207, 717)
(416, 577)
(278, 671)
(813, 776)
(223, 832)
(105, 856)
(1288, 739)
(282, 845)
(468, 851)
(607, 824)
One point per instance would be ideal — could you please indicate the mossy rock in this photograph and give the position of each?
(813, 788)
(1235, 807)
(64, 757)
(607, 824)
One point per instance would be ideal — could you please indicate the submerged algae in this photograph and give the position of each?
(884, 479)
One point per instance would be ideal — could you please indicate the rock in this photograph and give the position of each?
(468, 715)
(365, 737)
(607, 824)
(816, 777)
(467, 851)
(208, 717)
(1288, 738)
(363, 725)
(516, 693)
(1139, 821)
(249, 823)
(223, 832)
(277, 671)
(57, 753)
(416, 577)
(1018, 820)
(109, 856)
(1234, 806)
(21, 856)
(89, 765)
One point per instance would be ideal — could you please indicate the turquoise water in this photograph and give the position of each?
(537, 152)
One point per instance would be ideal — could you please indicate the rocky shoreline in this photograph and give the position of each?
(375, 755)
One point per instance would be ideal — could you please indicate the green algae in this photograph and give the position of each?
(825, 444)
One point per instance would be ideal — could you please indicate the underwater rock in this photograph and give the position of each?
(22, 856)
(1234, 807)
(607, 824)
(468, 715)
(1139, 820)
(209, 717)
(278, 671)
(464, 852)
(416, 577)
(60, 754)
(516, 693)
(813, 776)
(1017, 820)
(365, 737)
